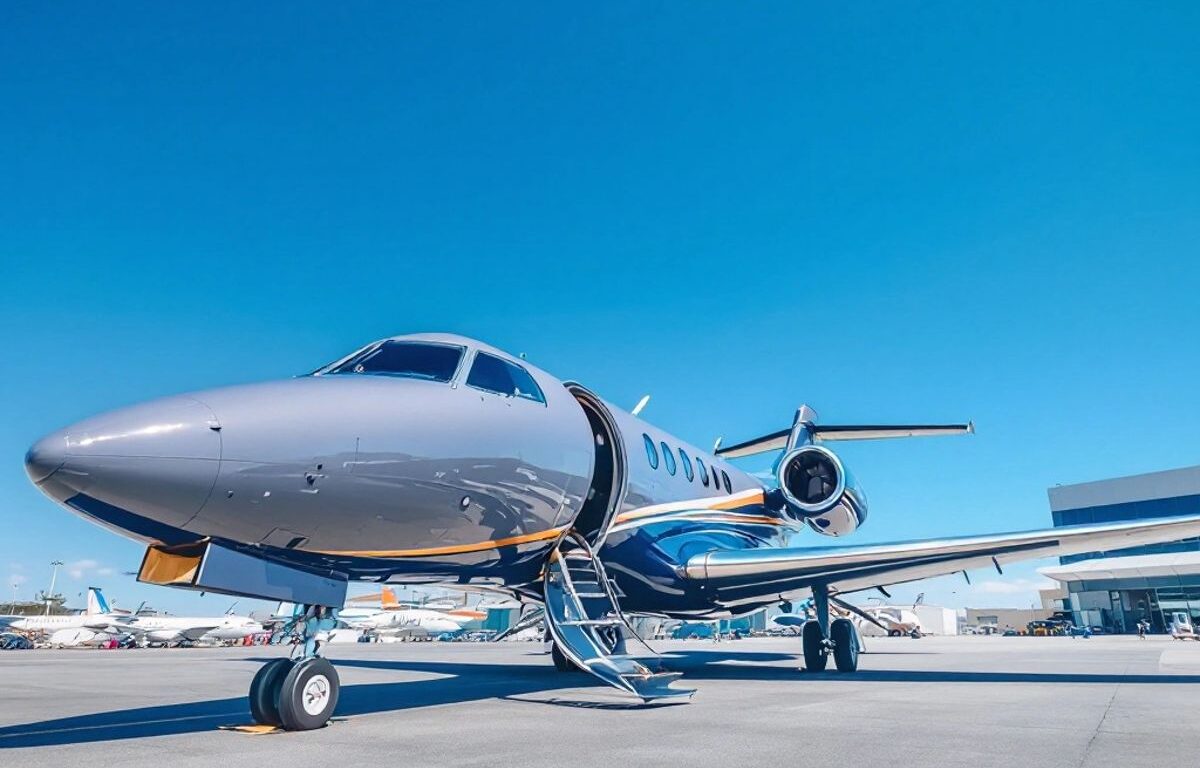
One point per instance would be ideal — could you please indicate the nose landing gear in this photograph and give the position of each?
(299, 693)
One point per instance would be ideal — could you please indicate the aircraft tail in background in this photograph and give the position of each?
(387, 598)
(96, 604)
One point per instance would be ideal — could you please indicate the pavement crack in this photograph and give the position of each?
(1087, 751)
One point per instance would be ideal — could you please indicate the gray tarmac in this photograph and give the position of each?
(969, 701)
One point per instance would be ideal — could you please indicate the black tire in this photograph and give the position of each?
(264, 691)
(845, 645)
(309, 695)
(815, 657)
(561, 662)
(894, 633)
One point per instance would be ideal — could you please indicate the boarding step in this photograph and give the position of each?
(592, 623)
(587, 625)
(658, 686)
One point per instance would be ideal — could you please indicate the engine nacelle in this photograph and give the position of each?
(818, 489)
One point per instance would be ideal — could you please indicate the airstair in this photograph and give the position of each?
(587, 625)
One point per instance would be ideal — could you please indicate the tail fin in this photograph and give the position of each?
(387, 598)
(96, 604)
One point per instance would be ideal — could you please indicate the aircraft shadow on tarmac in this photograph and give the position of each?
(462, 682)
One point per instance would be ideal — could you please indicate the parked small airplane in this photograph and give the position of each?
(895, 620)
(178, 629)
(393, 617)
(434, 458)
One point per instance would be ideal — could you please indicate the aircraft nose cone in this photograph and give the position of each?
(45, 456)
(151, 462)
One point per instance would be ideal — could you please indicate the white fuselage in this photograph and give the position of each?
(896, 619)
(172, 628)
(50, 624)
(405, 619)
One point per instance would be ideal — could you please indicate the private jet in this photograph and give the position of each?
(434, 458)
(174, 630)
(395, 618)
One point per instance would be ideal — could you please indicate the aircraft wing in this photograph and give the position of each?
(193, 634)
(747, 575)
(117, 626)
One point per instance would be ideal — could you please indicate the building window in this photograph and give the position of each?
(668, 458)
(651, 451)
(687, 465)
(492, 374)
(702, 470)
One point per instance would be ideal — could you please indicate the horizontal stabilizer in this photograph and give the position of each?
(821, 433)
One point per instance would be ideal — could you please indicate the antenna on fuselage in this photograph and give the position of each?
(640, 405)
(717, 445)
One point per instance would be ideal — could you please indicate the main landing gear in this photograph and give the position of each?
(823, 639)
(301, 692)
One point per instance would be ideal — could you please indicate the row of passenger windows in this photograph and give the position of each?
(439, 362)
(719, 477)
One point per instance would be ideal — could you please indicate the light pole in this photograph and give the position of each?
(14, 604)
(53, 577)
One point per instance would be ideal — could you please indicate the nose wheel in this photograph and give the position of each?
(298, 694)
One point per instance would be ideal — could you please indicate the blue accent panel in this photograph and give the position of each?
(128, 521)
(645, 562)
(1131, 510)
(102, 602)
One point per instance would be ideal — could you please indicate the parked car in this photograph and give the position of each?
(1181, 627)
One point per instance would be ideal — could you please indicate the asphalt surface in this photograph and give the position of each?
(969, 701)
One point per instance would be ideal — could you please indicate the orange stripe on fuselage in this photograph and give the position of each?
(457, 549)
(715, 503)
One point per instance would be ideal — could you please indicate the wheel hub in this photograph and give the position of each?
(315, 696)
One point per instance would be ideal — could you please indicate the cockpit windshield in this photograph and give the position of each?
(417, 360)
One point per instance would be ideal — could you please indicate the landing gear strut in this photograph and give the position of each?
(823, 639)
(298, 693)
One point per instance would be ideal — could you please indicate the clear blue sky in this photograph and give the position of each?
(932, 212)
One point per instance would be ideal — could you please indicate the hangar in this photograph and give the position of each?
(1116, 589)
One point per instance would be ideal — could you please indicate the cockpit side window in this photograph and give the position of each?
(409, 359)
(492, 374)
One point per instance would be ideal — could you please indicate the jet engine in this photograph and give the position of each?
(818, 489)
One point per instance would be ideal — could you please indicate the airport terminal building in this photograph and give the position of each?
(1116, 589)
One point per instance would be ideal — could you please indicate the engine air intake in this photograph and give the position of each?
(818, 490)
